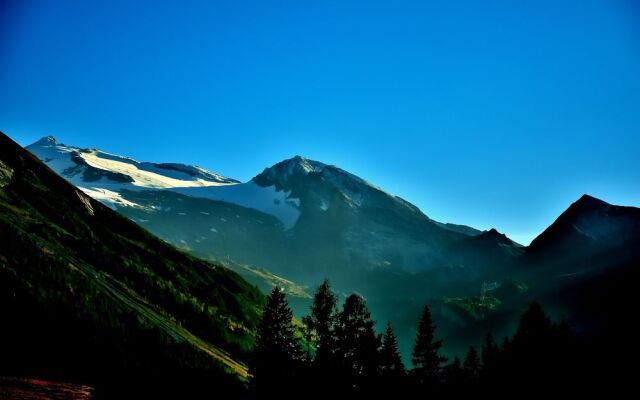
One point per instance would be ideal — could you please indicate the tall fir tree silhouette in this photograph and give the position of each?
(277, 354)
(471, 365)
(322, 321)
(490, 356)
(542, 354)
(454, 375)
(490, 352)
(357, 344)
(534, 326)
(426, 360)
(390, 359)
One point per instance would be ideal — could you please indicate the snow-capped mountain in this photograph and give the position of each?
(92, 166)
(108, 178)
(301, 219)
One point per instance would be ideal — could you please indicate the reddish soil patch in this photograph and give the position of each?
(35, 389)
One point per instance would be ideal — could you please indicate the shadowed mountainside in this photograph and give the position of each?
(87, 295)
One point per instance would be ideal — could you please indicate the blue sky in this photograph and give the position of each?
(494, 115)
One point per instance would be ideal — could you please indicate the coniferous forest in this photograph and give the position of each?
(340, 351)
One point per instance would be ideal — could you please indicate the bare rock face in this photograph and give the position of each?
(86, 202)
(6, 174)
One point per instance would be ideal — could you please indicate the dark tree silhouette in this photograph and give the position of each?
(542, 355)
(277, 355)
(357, 344)
(490, 352)
(534, 325)
(426, 360)
(454, 376)
(490, 360)
(390, 360)
(471, 366)
(322, 322)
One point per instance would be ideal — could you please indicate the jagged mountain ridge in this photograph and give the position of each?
(304, 219)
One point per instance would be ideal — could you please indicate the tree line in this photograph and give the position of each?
(337, 351)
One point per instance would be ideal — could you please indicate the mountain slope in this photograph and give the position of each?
(91, 296)
(359, 225)
(591, 234)
(300, 219)
(488, 249)
(303, 221)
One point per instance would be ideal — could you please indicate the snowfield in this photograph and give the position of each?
(108, 197)
(251, 195)
(106, 177)
(149, 177)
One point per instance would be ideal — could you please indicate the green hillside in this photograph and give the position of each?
(89, 296)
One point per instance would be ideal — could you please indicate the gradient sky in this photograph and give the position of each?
(493, 115)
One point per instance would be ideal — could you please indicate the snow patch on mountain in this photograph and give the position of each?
(251, 195)
(106, 177)
(148, 176)
(108, 197)
(72, 163)
(57, 157)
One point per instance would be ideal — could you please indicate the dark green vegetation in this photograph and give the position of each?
(88, 296)
(541, 357)
(277, 350)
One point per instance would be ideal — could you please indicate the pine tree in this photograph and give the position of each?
(454, 375)
(277, 354)
(490, 351)
(471, 365)
(390, 360)
(490, 357)
(357, 343)
(540, 354)
(426, 360)
(322, 322)
(533, 327)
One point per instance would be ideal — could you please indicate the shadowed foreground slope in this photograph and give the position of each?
(90, 297)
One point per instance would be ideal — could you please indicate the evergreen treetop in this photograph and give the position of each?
(425, 358)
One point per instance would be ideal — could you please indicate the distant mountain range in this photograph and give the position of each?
(86, 294)
(299, 218)
(301, 221)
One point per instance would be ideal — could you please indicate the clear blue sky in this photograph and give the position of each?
(493, 115)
